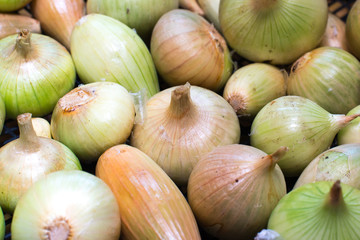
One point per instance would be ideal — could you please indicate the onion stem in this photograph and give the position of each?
(23, 43)
(335, 198)
(181, 102)
(28, 138)
(273, 158)
(345, 120)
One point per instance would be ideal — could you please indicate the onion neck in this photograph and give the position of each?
(274, 158)
(342, 120)
(335, 199)
(28, 138)
(23, 42)
(180, 104)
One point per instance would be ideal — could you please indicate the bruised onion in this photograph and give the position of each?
(191, 5)
(186, 48)
(181, 124)
(328, 76)
(350, 133)
(41, 127)
(335, 33)
(12, 5)
(67, 205)
(352, 29)
(299, 124)
(151, 205)
(233, 190)
(271, 31)
(211, 10)
(13, 23)
(25, 160)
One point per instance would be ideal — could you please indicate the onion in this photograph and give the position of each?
(329, 76)
(352, 29)
(2, 225)
(35, 71)
(299, 124)
(13, 23)
(321, 210)
(25, 160)
(151, 205)
(271, 31)
(41, 127)
(251, 87)
(12, 5)
(335, 33)
(2, 114)
(58, 17)
(350, 133)
(182, 40)
(67, 205)
(92, 118)
(181, 124)
(233, 190)
(191, 5)
(117, 54)
(211, 9)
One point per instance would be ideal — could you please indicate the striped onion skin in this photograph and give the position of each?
(307, 213)
(211, 10)
(353, 29)
(151, 205)
(117, 54)
(12, 23)
(12, 5)
(350, 133)
(233, 190)
(176, 132)
(328, 76)
(186, 48)
(277, 32)
(299, 124)
(34, 82)
(92, 118)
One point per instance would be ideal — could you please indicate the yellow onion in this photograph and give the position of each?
(335, 33)
(211, 10)
(299, 124)
(350, 133)
(41, 127)
(191, 5)
(13, 23)
(251, 87)
(92, 118)
(12, 5)
(139, 14)
(181, 124)
(117, 54)
(151, 205)
(272, 31)
(352, 29)
(233, 190)
(186, 48)
(328, 76)
(58, 17)
(35, 71)
(2, 225)
(321, 210)
(25, 160)
(67, 205)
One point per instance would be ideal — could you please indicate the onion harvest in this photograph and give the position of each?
(12, 5)
(352, 29)
(13, 23)
(350, 133)
(335, 33)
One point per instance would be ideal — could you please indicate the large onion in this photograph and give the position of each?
(12, 5)
(350, 133)
(353, 29)
(13, 23)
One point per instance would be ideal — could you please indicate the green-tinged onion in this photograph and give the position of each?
(350, 133)
(274, 31)
(35, 71)
(321, 210)
(191, 5)
(117, 54)
(41, 127)
(67, 205)
(12, 5)
(211, 9)
(187, 48)
(328, 76)
(299, 124)
(2, 225)
(233, 190)
(13, 23)
(2, 114)
(92, 118)
(335, 33)
(25, 160)
(352, 29)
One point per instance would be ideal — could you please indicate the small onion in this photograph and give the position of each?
(191, 5)
(67, 205)
(233, 190)
(35, 71)
(350, 133)
(328, 76)
(2, 225)
(321, 210)
(275, 31)
(335, 33)
(12, 5)
(182, 40)
(181, 124)
(25, 160)
(13, 23)
(211, 9)
(299, 124)
(151, 205)
(352, 29)
(92, 118)
(117, 54)
(41, 127)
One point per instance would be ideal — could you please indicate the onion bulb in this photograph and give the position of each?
(151, 205)
(181, 124)
(92, 118)
(277, 32)
(25, 160)
(186, 48)
(321, 210)
(350, 133)
(41, 127)
(299, 124)
(35, 71)
(233, 190)
(13, 23)
(328, 76)
(352, 29)
(12, 5)
(335, 33)
(2, 225)
(117, 54)
(211, 10)
(191, 5)
(67, 205)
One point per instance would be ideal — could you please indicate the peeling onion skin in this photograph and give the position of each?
(350, 133)
(2, 225)
(353, 29)
(328, 76)
(13, 23)
(276, 32)
(335, 33)
(151, 205)
(12, 5)
(67, 205)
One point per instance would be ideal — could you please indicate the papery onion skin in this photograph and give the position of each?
(350, 133)
(211, 9)
(182, 40)
(41, 127)
(12, 5)
(13, 23)
(328, 76)
(151, 205)
(277, 32)
(2, 225)
(335, 33)
(73, 203)
(118, 54)
(353, 29)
